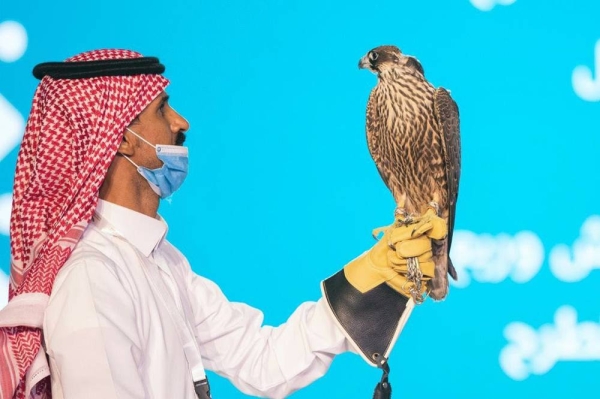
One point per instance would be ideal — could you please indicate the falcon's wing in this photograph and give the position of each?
(447, 115)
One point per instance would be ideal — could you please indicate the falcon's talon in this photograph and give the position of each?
(401, 212)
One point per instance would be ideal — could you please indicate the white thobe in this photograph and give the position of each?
(110, 330)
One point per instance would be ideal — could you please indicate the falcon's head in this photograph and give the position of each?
(384, 58)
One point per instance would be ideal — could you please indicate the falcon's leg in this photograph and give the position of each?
(403, 217)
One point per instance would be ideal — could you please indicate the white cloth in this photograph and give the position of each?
(109, 335)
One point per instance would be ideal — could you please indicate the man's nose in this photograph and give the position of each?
(179, 123)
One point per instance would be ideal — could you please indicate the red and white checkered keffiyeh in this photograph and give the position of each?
(72, 134)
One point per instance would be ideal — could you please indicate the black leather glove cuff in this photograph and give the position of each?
(371, 320)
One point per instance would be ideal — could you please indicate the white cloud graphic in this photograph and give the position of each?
(13, 41)
(586, 86)
(492, 259)
(571, 264)
(487, 5)
(3, 289)
(5, 207)
(536, 352)
(13, 126)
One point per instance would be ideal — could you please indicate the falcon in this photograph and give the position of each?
(413, 135)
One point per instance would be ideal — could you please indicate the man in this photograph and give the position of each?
(122, 313)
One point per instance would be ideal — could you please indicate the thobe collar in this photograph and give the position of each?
(142, 231)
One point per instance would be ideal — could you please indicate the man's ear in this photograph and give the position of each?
(127, 144)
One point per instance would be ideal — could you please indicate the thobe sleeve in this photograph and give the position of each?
(263, 360)
(91, 336)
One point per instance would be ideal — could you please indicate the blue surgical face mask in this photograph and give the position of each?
(165, 180)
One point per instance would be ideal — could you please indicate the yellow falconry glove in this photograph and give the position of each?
(389, 259)
(372, 297)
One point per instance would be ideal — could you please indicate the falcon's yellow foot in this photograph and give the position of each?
(403, 218)
(430, 224)
(435, 206)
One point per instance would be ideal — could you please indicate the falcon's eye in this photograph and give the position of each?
(373, 56)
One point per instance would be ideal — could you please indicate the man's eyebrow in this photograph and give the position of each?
(164, 100)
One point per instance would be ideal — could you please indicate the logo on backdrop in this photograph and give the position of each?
(571, 264)
(492, 259)
(487, 5)
(536, 352)
(586, 81)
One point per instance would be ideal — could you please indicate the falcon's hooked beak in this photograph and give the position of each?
(365, 63)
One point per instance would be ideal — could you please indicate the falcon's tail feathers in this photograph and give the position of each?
(452, 270)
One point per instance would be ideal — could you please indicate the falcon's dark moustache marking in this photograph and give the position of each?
(92, 69)
(412, 62)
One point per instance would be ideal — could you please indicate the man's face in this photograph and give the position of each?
(158, 124)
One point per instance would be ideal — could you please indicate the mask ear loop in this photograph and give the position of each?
(141, 138)
(133, 163)
(153, 186)
(140, 171)
(129, 159)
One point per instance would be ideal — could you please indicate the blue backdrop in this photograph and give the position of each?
(277, 109)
